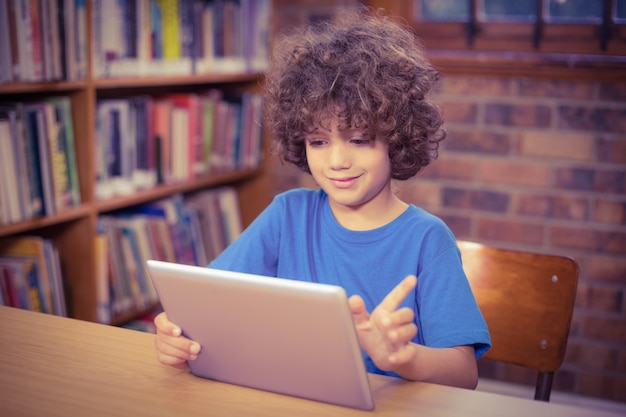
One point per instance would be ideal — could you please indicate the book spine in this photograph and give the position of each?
(64, 114)
(8, 41)
(170, 26)
(31, 150)
(58, 159)
(45, 169)
(80, 27)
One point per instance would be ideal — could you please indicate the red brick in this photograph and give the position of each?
(591, 356)
(571, 208)
(522, 115)
(533, 205)
(613, 91)
(513, 171)
(517, 374)
(595, 240)
(613, 181)
(425, 194)
(592, 119)
(606, 268)
(466, 85)
(459, 111)
(557, 145)
(599, 298)
(451, 167)
(606, 211)
(550, 206)
(478, 141)
(475, 199)
(602, 386)
(612, 150)
(551, 88)
(587, 179)
(621, 364)
(461, 226)
(564, 380)
(575, 328)
(487, 368)
(510, 231)
(605, 329)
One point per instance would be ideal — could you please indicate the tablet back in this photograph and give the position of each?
(285, 336)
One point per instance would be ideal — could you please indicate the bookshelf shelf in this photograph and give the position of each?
(73, 230)
(42, 222)
(196, 79)
(162, 191)
(42, 87)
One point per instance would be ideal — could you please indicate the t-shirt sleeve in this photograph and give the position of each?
(448, 312)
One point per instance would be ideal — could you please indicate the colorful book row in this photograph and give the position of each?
(180, 37)
(38, 172)
(30, 275)
(42, 40)
(174, 229)
(143, 140)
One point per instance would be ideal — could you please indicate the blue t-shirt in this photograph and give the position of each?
(297, 237)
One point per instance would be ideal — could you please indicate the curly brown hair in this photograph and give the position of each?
(364, 68)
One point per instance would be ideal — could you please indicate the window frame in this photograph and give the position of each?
(523, 48)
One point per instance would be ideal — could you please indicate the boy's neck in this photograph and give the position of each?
(368, 217)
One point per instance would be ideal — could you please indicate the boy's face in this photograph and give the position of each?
(353, 169)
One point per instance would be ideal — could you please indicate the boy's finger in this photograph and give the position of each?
(359, 312)
(162, 322)
(395, 297)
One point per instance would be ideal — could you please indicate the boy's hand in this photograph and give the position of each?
(386, 333)
(172, 348)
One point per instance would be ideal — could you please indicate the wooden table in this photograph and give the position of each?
(53, 366)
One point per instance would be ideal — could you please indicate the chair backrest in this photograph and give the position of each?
(527, 300)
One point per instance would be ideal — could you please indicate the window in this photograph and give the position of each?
(562, 35)
(577, 26)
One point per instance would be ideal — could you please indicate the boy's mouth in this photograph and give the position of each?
(345, 182)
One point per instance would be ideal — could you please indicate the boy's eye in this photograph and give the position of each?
(316, 142)
(360, 141)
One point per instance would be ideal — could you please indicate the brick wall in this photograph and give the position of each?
(540, 165)
(532, 164)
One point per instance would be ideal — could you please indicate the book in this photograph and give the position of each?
(121, 296)
(162, 131)
(115, 149)
(144, 175)
(33, 247)
(63, 116)
(37, 130)
(219, 218)
(9, 187)
(31, 149)
(6, 55)
(68, 20)
(191, 102)
(170, 25)
(179, 152)
(80, 27)
(57, 156)
(103, 297)
(23, 272)
(56, 283)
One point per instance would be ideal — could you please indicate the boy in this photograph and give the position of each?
(346, 102)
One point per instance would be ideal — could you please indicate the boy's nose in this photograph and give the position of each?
(339, 156)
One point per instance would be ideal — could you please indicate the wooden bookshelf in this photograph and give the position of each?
(73, 230)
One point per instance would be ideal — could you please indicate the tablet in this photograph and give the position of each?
(285, 336)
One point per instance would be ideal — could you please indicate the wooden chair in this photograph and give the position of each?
(527, 300)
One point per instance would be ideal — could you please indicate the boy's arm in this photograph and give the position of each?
(386, 336)
(454, 366)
